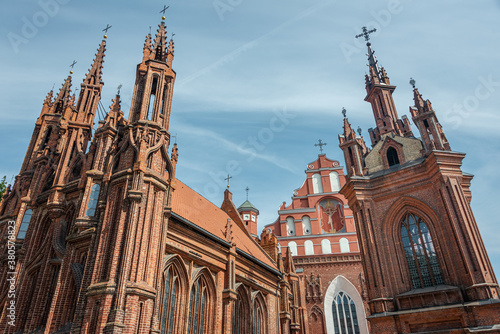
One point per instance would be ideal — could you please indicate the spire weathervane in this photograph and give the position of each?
(247, 189)
(106, 30)
(72, 65)
(320, 144)
(227, 179)
(366, 34)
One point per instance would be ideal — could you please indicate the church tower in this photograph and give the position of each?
(424, 262)
(249, 213)
(127, 196)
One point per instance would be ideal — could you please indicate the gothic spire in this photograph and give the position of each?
(170, 52)
(159, 51)
(94, 75)
(62, 98)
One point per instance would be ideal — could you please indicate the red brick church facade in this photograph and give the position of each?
(107, 240)
(99, 236)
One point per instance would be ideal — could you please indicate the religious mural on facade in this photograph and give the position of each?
(331, 216)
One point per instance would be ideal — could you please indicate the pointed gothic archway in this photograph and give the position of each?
(340, 286)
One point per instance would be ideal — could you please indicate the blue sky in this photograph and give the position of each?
(259, 82)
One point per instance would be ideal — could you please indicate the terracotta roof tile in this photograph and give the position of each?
(192, 206)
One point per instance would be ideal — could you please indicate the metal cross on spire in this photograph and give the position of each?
(227, 179)
(320, 144)
(164, 9)
(366, 34)
(72, 65)
(107, 28)
(247, 189)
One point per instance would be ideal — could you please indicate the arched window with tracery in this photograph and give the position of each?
(420, 253)
(171, 301)
(94, 196)
(199, 307)
(259, 315)
(345, 319)
(241, 312)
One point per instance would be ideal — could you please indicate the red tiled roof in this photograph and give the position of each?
(192, 206)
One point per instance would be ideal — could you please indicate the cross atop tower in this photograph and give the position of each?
(227, 179)
(366, 34)
(320, 144)
(72, 65)
(247, 189)
(163, 11)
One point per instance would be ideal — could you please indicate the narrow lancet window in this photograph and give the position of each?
(94, 196)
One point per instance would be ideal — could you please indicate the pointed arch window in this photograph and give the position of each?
(152, 98)
(199, 299)
(170, 301)
(94, 196)
(420, 253)
(392, 156)
(345, 319)
(259, 316)
(241, 312)
(24, 224)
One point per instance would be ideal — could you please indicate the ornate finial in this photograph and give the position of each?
(72, 65)
(366, 34)
(119, 87)
(106, 30)
(359, 130)
(227, 179)
(344, 112)
(163, 11)
(412, 82)
(247, 189)
(175, 138)
(320, 144)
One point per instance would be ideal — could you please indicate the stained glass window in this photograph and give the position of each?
(420, 253)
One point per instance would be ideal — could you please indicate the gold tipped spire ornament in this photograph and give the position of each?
(106, 31)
